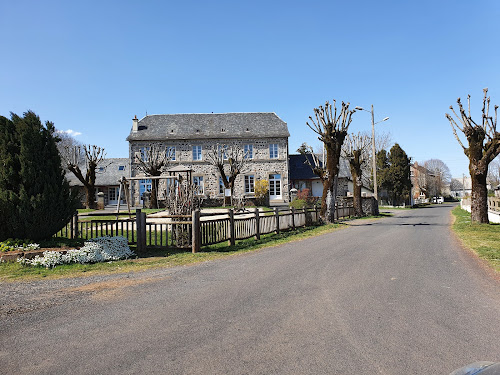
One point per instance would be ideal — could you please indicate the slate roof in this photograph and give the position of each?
(109, 176)
(299, 170)
(209, 125)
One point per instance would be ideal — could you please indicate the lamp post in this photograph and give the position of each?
(374, 162)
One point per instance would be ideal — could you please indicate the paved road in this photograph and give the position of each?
(391, 296)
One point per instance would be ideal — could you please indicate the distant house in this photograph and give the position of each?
(302, 177)
(107, 179)
(461, 187)
(422, 181)
(189, 137)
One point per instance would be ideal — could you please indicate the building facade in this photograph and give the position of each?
(108, 174)
(188, 138)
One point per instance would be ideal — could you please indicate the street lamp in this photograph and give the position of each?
(374, 164)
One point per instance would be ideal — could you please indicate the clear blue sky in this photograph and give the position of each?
(90, 66)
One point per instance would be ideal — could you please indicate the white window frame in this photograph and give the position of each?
(144, 153)
(170, 150)
(249, 184)
(199, 182)
(273, 151)
(222, 149)
(197, 152)
(221, 186)
(248, 151)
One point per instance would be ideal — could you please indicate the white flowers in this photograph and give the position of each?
(95, 250)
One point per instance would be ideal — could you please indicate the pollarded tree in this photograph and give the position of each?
(312, 160)
(331, 127)
(152, 161)
(93, 156)
(484, 145)
(230, 161)
(356, 151)
(35, 198)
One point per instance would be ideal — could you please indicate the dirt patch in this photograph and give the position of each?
(111, 289)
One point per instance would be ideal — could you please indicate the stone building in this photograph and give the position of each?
(189, 137)
(108, 174)
(302, 177)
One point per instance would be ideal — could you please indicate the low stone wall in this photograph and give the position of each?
(369, 205)
(493, 216)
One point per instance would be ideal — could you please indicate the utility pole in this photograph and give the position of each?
(374, 165)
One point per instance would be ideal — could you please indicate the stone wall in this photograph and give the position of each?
(260, 166)
(369, 205)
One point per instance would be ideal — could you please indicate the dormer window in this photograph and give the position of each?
(101, 169)
(121, 167)
(223, 130)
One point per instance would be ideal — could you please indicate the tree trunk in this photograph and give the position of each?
(355, 166)
(479, 202)
(324, 196)
(357, 200)
(90, 196)
(153, 202)
(329, 184)
(478, 170)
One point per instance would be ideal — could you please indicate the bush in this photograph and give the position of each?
(261, 190)
(298, 203)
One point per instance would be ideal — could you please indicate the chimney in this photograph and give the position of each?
(135, 122)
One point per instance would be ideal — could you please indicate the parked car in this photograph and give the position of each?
(480, 368)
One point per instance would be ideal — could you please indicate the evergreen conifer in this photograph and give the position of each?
(35, 198)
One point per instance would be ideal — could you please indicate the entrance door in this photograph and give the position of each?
(112, 195)
(144, 185)
(274, 186)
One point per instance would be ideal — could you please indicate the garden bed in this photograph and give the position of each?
(12, 256)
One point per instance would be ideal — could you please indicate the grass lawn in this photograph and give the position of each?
(155, 258)
(484, 239)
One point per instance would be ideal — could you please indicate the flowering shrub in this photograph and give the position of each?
(102, 249)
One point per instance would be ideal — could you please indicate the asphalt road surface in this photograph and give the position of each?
(390, 296)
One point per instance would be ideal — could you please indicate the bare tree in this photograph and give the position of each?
(93, 157)
(331, 127)
(230, 161)
(65, 145)
(383, 141)
(484, 145)
(440, 176)
(456, 185)
(152, 161)
(356, 150)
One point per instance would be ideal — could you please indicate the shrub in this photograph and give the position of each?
(304, 194)
(298, 203)
(261, 188)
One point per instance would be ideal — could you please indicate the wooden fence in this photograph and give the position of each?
(199, 229)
